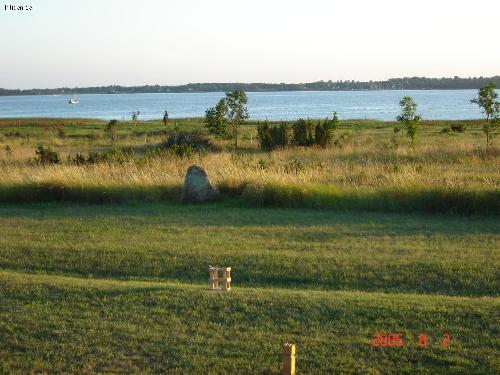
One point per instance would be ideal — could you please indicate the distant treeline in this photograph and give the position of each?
(407, 83)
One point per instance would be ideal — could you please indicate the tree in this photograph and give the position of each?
(409, 117)
(135, 116)
(273, 136)
(486, 99)
(165, 118)
(236, 111)
(111, 128)
(215, 119)
(302, 133)
(323, 132)
(265, 136)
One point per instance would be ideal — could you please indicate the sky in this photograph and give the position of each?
(168, 42)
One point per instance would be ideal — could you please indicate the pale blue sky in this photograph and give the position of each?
(127, 42)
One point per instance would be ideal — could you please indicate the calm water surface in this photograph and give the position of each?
(381, 105)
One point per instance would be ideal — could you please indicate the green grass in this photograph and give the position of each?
(102, 271)
(266, 247)
(416, 199)
(408, 199)
(58, 324)
(124, 289)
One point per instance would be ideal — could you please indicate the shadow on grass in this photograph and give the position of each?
(390, 200)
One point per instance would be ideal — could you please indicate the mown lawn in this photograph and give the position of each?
(123, 289)
(267, 247)
(78, 325)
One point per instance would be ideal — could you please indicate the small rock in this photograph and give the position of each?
(197, 187)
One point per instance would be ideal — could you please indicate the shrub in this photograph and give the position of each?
(323, 132)
(281, 134)
(16, 134)
(302, 133)
(445, 130)
(273, 136)
(265, 137)
(116, 155)
(79, 159)
(182, 150)
(458, 128)
(45, 155)
(183, 143)
(111, 129)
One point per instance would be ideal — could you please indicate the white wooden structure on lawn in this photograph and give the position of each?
(220, 278)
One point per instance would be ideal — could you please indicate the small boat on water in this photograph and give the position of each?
(73, 101)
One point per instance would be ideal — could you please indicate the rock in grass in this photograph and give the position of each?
(197, 187)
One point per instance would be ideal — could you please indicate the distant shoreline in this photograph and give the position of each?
(73, 93)
(407, 83)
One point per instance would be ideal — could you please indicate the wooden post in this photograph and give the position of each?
(289, 359)
(226, 275)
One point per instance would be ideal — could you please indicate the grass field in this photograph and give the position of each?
(383, 238)
(124, 289)
(370, 167)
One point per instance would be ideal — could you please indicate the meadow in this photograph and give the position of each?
(369, 168)
(102, 270)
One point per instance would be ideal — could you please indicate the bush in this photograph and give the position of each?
(185, 144)
(273, 136)
(45, 155)
(302, 133)
(323, 132)
(182, 150)
(458, 128)
(116, 155)
(445, 130)
(79, 159)
(265, 137)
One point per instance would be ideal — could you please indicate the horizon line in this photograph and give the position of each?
(495, 77)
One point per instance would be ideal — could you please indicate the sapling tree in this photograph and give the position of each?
(215, 119)
(111, 128)
(135, 116)
(165, 118)
(487, 101)
(236, 111)
(409, 117)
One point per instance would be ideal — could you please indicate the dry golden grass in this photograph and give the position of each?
(462, 166)
(371, 160)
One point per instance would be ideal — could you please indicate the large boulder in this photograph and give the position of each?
(197, 187)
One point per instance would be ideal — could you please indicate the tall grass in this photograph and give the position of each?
(370, 169)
